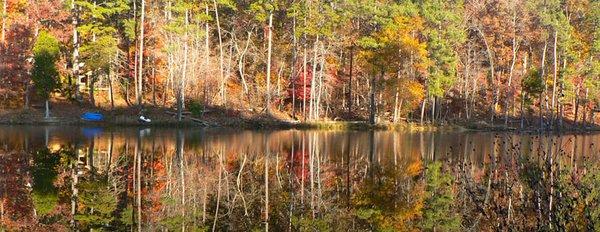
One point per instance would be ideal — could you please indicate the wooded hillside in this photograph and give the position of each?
(534, 62)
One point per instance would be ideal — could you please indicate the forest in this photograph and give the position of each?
(524, 63)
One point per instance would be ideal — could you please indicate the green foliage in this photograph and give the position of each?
(439, 210)
(593, 85)
(44, 202)
(99, 27)
(533, 83)
(44, 172)
(311, 224)
(98, 203)
(594, 20)
(196, 108)
(444, 33)
(262, 9)
(127, 216)
(97, 17)
(128, 26)
(172, 223)
(100, 53)
(46, 45)
(46, 51)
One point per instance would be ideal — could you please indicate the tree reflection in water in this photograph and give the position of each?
(300, 181)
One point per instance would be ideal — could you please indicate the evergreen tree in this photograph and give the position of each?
(98, 31)
(438, 212)
(46, 51)
(444, 33)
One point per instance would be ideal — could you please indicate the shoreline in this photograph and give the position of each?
(257, 124)
(254, 120)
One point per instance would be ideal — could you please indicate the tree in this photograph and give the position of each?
(97, 32)
(438, 212)
(46, 51)
(444, 32)
(140, 70)
(267, 8)
(44, 172)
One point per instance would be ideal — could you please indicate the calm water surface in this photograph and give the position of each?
(161, 179)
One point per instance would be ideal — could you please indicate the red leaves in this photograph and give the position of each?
(300, 86)
(14, 53)
(23, 20)
(14, 194)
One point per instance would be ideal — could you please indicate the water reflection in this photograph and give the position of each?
(65, 178)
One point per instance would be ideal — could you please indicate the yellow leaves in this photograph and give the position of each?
(549, 80)
(415, 168)
(413, 93)
(403, 36)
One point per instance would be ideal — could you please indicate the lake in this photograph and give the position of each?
(166, 179)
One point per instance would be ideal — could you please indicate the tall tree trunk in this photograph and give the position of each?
(222, 78)
(433, 108)
(138, 181)
(293, 72)
(466, 80)
(269, 48)
(576, 105)
(524, 72)
(241, 65)
(181, 157)
(492, 77)
(515, 49)
(267, 182)
(278, 93)
(75, 54)
(320, 83)
(111, 93)
(214, 227)
(313, 81)
(141, 55)
(180, 90)
(154, 86)
(74, 189)
(553, 112)
(372, 99)
(47, 106)
(206, 57)
(423, 110)
(396, 98)
(542, 73)
(304, 76)
(135, 52)
(92, 89)
(350, 81)
(229, 60)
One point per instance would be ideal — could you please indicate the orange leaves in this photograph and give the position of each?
(414, 168)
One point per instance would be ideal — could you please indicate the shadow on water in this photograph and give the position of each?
(71, 178)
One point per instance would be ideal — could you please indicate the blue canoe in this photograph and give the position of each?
(92, 117)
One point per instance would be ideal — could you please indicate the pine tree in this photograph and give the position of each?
(46, 51)
(438, 212)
